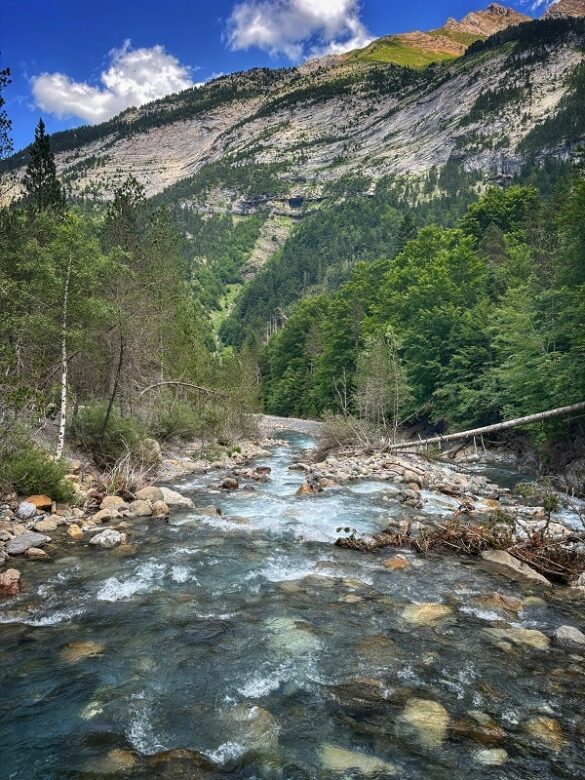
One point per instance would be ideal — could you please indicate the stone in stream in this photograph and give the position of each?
(108, 513)
(493, 757)
(230, 483)
(255, 727)
(25, 511)
(396, 563)
(547, 731)
(77, 651)
(340, 760)
(425, 720)
(523, 637)
(74, 531)
(20, 544)
(46, 526)
(10, 582)
(36, 554)
(108, 539)
(160, 509)
(113, 502)
(569, 638)
(41, 502)
(209, 511)
(426, 614)
(172, 498)
(512, 567)
(141, 508)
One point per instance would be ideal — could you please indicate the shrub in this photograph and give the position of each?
(28, 470)
(122, 435)
(176, 420)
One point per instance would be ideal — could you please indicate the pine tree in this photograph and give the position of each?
(43, 188)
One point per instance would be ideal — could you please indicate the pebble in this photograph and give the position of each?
(495, 757)
(569, 638)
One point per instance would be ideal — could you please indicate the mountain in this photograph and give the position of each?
(288, 139)
(565, 8)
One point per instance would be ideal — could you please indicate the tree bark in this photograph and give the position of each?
(64, 362)
(503, 426)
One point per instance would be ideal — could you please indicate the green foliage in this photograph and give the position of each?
(105, 438)
(29, 470)
(43, 189)
(175, 419)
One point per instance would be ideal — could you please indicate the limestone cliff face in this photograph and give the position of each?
(485, 23)
(565, 8)
(285, 138)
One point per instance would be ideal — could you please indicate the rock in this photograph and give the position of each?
(18, 529)
(377, 649)
(46, 525)
(339, 760)
(109, 513)
(396, 563)
(546, 730)
(209, 511)
(254, 727)
(425, 614)
(10, 582)
(141, 508)
(172, 498)
(512, 567)
(108, 538)
(230, 483)
(150, 493)
(526, 637)
(36, 554)
(20, 544)
(41, 502)
(74, 531)
(25, 511)
(569, 638)
(305, 490)
(160, 509)
(494, 757)
(580, 581)
(113, 502)
(499, 602)
(149, 452)
(427, 720)
(77, 651)
(325, 482)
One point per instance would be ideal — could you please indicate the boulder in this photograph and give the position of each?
(10, 582)
(47, 525)
(426, 720)
(396, 563)
(41, 502)
(36, 554)
(172, 498)
(74, 531)
(77, 651)
(210, 510)
(149, 452)
(523, 637)
(113, 502)
(160, 509)
(547, 731)
(25, 511)
(305, 490)
(230, 483)
(20, 544)
(513, 568)
(341, 761)
(107, 514)
(141, 508)
(108, 539)
(569, 638)
(150, 493)
(493, 757)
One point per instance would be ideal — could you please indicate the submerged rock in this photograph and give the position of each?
(336, 759)
(396, 563)
(546, 731)
(20, 544)
(255, 727)
(426, 720)
(512, 567)
(36, 554)
(569, 638)
(494, 757)
(426, 614)
(74, 531)
(77, 651)
(526, 637)
(10, 582)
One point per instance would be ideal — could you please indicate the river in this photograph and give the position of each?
(262, 646)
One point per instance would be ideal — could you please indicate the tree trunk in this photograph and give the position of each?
(504, 426)
(64, 362)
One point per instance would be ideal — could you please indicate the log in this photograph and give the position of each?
(503, 426)
(199, 388)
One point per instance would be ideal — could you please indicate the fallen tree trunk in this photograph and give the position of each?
(503, 426)
(189, 385)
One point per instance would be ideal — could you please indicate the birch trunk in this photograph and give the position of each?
(504, 426)
(64, 363)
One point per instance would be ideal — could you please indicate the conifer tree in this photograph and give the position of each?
(43, 188)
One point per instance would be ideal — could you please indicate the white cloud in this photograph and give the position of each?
(134, 77)
(297, 28)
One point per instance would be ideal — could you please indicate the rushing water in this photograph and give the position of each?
(261, 645)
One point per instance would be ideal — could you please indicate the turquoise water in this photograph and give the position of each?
(266, 649)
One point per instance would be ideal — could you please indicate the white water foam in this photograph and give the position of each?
(144, 580)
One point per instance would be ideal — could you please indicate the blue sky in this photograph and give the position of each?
(75, 61)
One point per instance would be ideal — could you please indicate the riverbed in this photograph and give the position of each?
(254, 641)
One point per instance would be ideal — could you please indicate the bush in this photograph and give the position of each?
(28, 470)
(176, 420)
(122, 435)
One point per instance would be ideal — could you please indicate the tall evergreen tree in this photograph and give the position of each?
(43, 188)
(6, 147)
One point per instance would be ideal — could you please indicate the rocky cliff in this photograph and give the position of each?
(565, 8)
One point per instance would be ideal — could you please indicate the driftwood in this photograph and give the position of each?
(503, 426)
(190, 385)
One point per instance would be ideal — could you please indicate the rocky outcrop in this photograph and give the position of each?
(482, 24)
(565, 8)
